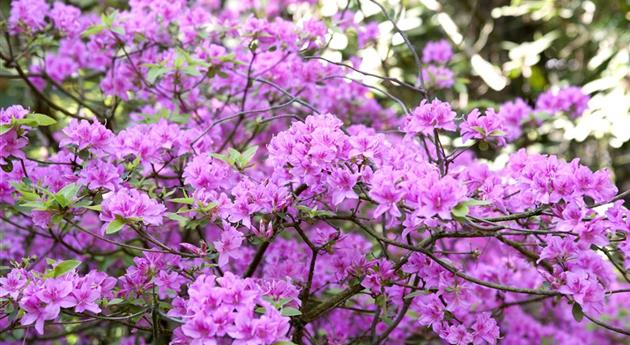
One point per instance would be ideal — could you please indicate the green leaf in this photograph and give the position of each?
(115, 301)
(115, 226)
(284, 342)
(67, 194)
(93, 30)
(577, 312)
(42, 120)
(460, 210)
(4, 129)
(174, 216)
(417, 293)
(475, 202)
(156, 72)
(187, 201)
(290, 311)
(40, 206)
(249, 153)
(94, 207)
(65, 266)
(119, 30)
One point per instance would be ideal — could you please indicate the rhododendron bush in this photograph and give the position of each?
(206, 175)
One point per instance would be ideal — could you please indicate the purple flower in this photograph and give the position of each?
(12, 284)
(12, 112)
(84, 134)
(27, 16)
(586, 292)
(441, 196)
(570, 100)
(438, 77)
(485, 330)
(36, 312)
(230, 242)
(129, 204)
(342, 182)
(429, 116)
(98, 174)
(489, 126)
(207, 172)
(83, 298)
(437, 51)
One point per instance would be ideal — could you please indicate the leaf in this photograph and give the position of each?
(94, 207)
(115, 301)
(475, 202)
(115, 226)
(155, 72)
(42, 120)
(284, 342)
(65, 266)
(248, 154)
(174, 216)
(187, 201)
(460, 210)
(65, 196)
(577, 312)
(416, 293)
(93, 30)
(118, 30)
(290, 311)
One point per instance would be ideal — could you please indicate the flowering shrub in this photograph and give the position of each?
(205, 176)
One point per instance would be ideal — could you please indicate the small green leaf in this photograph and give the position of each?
(289, 311)
(93, 30)
(115, 226)
(119, 30)
(115, 301)
(249, 153)
(66, 195)
(174, 216)
(577, 312)
(94, 207)
(42, 120)
(156, 72)
(65, 266)
(187, 201)
(460, 210)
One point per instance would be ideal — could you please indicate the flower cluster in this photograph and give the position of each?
(436, 55)
(220, 180)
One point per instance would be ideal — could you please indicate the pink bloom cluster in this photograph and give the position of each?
(266, 196)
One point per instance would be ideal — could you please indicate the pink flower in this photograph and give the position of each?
(485, 127)
(27, 15)
(12, 284)
(437, 51)
(485, 330)
(230, 242)
(441, 196)
(130, 203)
(36, 312)
(429, 116)
(586, 292)
(84, 299)
(342, 181)
(84, 134)
(98, 174)
(207, 172)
